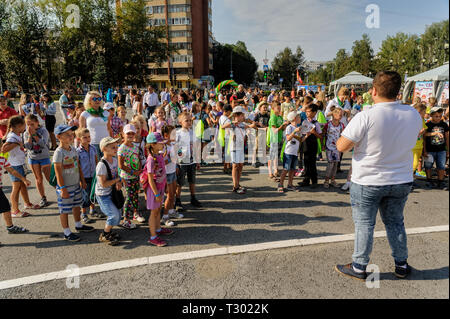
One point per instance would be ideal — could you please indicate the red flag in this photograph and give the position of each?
(299, 79)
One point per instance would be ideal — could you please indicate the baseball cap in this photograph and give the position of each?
(154, 138)
(129, 128)
(238, 109)
(108, 140)
(435, 109)
(108, 106)
(71, 106)
(62, 128)
(291, 116)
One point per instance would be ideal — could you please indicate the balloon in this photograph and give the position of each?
(223, 84)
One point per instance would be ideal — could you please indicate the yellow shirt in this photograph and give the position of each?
(419, 143)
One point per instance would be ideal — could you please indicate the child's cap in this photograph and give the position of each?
(108, 140)
(62, 128)
(291, 116)
(108, 106)
(129, 128)
(71, 106)
(435, 109)
(238, 109)
(155, 138)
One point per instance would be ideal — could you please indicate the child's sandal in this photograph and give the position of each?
(20, 214)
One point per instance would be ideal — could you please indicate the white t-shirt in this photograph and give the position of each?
(98, 126)
(17, 154)
(172, 166)
(184, 146)
(102, 171)
(293, 145)
(384, 137)
(237, 137)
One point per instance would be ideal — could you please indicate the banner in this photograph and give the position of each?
(313, 88)
(445, 93)
(424, 90)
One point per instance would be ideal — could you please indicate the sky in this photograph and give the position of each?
(320, 27)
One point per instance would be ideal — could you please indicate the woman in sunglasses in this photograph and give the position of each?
(95, 119)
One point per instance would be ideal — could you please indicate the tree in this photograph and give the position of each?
(23, 39)
(244, 64)
(432, 44)
(362, 55)
(286, 64)
(399, 53)
(342, 64)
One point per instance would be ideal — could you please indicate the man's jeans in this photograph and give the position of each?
(366, 201)
(149, 111)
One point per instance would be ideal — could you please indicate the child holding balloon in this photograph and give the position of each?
(129, 170)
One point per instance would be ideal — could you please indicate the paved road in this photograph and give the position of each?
(228, 219)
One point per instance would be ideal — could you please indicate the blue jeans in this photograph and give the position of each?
(109, 209)
(439, 158)
(366, 201)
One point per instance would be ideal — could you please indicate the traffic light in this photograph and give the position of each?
(265, 75)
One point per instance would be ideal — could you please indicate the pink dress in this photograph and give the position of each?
(158, 168)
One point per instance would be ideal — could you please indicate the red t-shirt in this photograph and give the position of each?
(4, 115)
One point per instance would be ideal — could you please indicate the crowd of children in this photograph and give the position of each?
(155, 155)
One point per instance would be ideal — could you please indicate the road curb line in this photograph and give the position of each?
(95, 269)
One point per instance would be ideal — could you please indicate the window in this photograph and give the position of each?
(180, 84)
(177, 34)
(180, 21)
(156, 22)
(179, 8)
(182, 58)
(155, 9)
(182, 45)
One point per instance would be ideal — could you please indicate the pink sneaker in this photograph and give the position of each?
(165, 231)
(157, 242)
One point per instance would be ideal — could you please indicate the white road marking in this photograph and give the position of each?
(95, 269)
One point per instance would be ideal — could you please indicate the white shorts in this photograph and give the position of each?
(237, 157)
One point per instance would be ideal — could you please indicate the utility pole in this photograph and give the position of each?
(231, 67)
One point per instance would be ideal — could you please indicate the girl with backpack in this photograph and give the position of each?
(155, 187)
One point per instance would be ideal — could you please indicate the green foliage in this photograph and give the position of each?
(286, 64)
(362, 55)
(244, 64)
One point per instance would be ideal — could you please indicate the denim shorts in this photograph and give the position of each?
(19, 170)
(42, 162)
(439, 158)
(171, 178)
(290, 162)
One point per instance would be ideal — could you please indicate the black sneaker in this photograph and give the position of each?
(314, 185)
(348, 271)
(178, 205)
(85, 229)
(441, 185)
(195, 202)
(429, 185)
(16, 230)
(304, 183)
(86, 219)
(44, 202)
(72, 237)
(401, 272)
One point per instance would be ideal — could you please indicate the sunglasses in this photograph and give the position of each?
(96, 99)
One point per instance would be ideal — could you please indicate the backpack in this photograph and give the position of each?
(53, 181)
(143, 178)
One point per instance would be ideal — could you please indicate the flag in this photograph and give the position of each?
(299, 79)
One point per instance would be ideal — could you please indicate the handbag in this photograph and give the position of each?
(116, 196)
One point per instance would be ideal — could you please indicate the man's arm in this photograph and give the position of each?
(344, 144)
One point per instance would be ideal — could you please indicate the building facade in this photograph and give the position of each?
(189, 29)
(315, 65)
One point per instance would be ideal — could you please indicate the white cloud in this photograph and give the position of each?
(320, 27)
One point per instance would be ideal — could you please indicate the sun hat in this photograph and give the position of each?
(435, 109)
(62, 128)
(154, 137)
(291, 116)
(129, 128)
(108, 106)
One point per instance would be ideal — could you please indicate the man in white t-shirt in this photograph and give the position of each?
(382, 177)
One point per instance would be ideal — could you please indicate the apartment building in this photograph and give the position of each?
(189, 24)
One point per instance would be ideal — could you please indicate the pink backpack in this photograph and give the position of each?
(143, 178)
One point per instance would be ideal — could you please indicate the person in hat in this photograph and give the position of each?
(130, 170)
(290, 155)
(70, 181)
(237, 137)
(157, 180)
(436, 147)
(103, 189)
